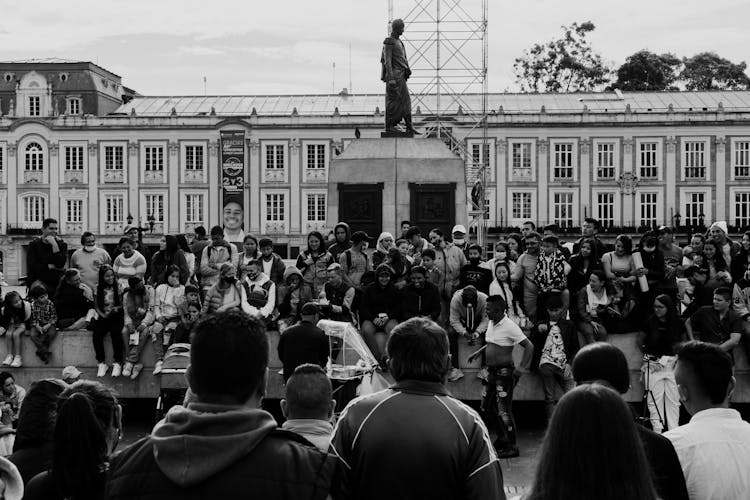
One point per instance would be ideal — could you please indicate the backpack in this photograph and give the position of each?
(348, 253)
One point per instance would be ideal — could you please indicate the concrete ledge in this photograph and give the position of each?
(76, 348)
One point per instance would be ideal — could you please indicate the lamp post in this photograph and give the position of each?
(701, 220)
(151, 223)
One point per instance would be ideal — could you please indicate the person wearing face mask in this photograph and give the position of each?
(385, 242)
(226, 294)
(502, 254)
(459, 239)
(89, 259)
(474, 273)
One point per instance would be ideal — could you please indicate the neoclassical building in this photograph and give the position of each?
(77, 145)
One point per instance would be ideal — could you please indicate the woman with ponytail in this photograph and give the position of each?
(86, 434)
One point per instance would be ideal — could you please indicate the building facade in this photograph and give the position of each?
(94, 155)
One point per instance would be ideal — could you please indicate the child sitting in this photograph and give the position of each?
(192, 296)
(43, 320)
(138, 304)
(551, 274)
(16, 315)
(170, 296)
(184, 332)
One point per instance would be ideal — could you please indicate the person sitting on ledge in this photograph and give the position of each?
(74, 301)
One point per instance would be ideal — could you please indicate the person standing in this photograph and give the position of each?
(458, 234)
(89, 259)
(449, 260)
(714, 448)
(273, 265)
(221, 442)
(46, 257)
(524, 274)
(439, 449)
(130, 263)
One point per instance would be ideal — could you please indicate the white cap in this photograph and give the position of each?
(458, 228)
(70, 372)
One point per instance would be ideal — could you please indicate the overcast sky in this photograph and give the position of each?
(166, 47)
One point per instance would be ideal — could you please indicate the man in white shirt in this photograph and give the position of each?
(714, 448)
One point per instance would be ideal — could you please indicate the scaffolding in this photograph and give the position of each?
(446, 43)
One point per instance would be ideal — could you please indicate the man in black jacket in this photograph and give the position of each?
(420, 297)
(303, 343)
(473, 273)
(604, 363)
(46, 257)
(221, 443)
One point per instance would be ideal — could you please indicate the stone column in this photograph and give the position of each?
(628, 169)
(542, 149)
(53, 178)
(213, 215)
(584, 172)
(295, 175)
(94, 202)
(253, 185)
(501, 179)
(173, 177)
(133, 180)
(721, 210)
(11, 174)
(670, 178)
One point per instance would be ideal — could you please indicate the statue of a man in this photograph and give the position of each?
(395, 72)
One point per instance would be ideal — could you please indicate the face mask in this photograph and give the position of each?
(502, 256)
(475, 261)
(89, 248)
(649, 249)
(230, 279)
(459, 241)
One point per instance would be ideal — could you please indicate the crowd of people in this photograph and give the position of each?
(555, 300)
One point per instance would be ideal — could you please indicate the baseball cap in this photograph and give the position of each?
(665, 229)
(70, 372)
(360, 236)
(309, 309)
(128, 228)
(458, 228)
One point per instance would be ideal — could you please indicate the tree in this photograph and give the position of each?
(566, 64)
(708, 71)
(645, 70)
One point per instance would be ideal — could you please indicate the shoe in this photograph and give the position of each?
(17, 362)
(8, 360)
(116, 370)
(102, 370)
(509, 452)
(158, 366)
(455, 374)
(136, 371)
(127, 369)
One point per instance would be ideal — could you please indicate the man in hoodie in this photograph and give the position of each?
(272, 264)
(741, 299)
(309, 404)
(341, 234)
(46, 257)
(221, 443)
(720, 234)
(420, 298)
(89, 259)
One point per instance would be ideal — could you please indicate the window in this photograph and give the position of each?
(316, 156)
(73, 211)
(605, 160)
(74, 106)
(521, 205)
(154, 158)
(34, 106)
(648, 165)
(563, 209)
(155, 206)
(194, 157)
(563, 166)
(316, 207)
(648, 209)
(521, 158)
(2, 159)
(34, 157)
(114, 208)
(694, 207)
(275, 156)
(742, 159)
(275, 207)
(73, 157)
(34, 209)
(742, 209)
(113, 157)
(480, 158)
(695, 166)
(605, 209)
(194, 208)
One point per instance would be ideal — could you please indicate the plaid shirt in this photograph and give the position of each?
(43, 313)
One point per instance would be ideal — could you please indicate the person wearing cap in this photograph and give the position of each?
(293, 294)
(303, 342)
(354, 261)
(449, 259)
(417, 244)
(468, 319)
(459, 239)
(260, 291)
(336, 297)
(380, 310)
(672, 262)
(720, 234)
(474, 273)
(70, 374)
(696, 294)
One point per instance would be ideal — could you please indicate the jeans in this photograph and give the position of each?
(137, 342)
(111, 325)
(497, 402)
(42, 340)
(552, 377)
(664, 399)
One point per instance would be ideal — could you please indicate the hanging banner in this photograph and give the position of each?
(233, 184)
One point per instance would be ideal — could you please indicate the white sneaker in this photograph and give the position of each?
(16, 362)
(136, 371)
(116, 370)
(127, 369)
(8, 360)
(102, 371)
(158, 366)
(455, 374)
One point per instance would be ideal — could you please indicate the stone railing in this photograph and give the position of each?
(114, 176)
(316, 175)
(194, 175)
(274, 175)
(113, 228)
(73, 176)
(275, 228)
(33, 176)
(154, 177)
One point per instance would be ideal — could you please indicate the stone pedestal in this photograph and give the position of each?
(419, 180)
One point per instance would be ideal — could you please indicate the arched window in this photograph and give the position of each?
(34, 157)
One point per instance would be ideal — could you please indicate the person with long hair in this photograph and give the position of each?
(609, 460)
(182, 243)
(718, 271)
(662, 332)
(15, 323)
(32, 449)
(502, 286)
(594, 312)
(741, 261)
(380, 310)
(87, 431)
(11, 398)
(383, 245)
(619, 269)
(515, 246)
(250, 250)
(313, 262)
(582, 265)
(169, 254)
(110, 320)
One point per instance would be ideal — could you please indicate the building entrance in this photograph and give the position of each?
(431, 206)
(361, 206)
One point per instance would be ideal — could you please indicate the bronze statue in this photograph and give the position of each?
(395, 72)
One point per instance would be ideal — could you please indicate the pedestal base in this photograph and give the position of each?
(396, 133)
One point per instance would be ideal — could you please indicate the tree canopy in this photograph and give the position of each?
(646, 71)
(708, 71)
